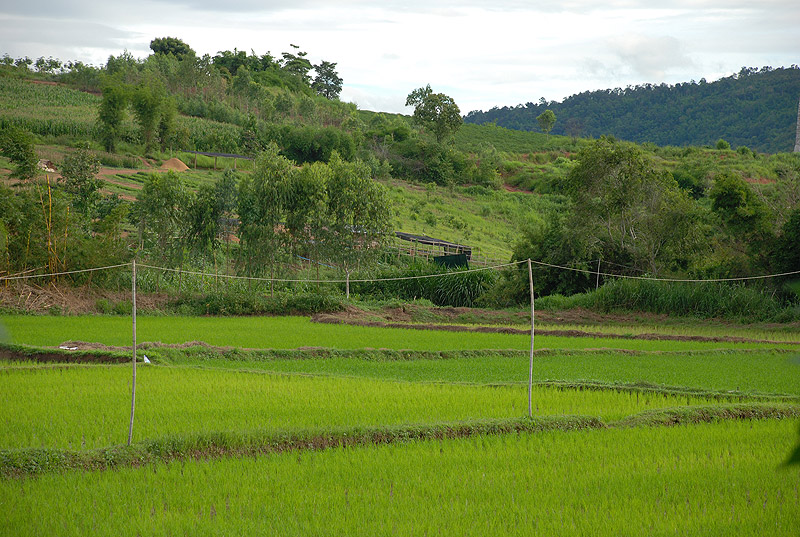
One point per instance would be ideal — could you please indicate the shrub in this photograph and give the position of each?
(450, 289)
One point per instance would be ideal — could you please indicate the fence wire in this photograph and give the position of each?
(398, 278)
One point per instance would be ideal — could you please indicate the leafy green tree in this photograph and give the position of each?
(149, 102)
(550, 240)
(739, 207)
(546, 121)
(229, 62)
(124, 68)
(210, 215)
(49, 65)
(159, 214)
(166, 124)
(786, 252)
(306, 209)
(171, 45)
(263, 197)
(17, 145)
(358, 215)
(435, 111)
(79, 174)
(327, 81)
(628, 209)
(296, 64)
(112, 112)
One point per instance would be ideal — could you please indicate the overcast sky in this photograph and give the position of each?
(481, 53)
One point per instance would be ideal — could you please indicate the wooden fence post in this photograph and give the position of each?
(530, 372)
(133, 387)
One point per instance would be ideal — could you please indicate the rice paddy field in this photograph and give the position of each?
(297, 332)
(290, 427)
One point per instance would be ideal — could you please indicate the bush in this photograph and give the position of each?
(701, 299)
(243, 303)
(449, 289)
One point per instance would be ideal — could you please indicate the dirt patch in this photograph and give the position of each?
(759, 180)
(174, 164)
(509, 188)
(117, 171)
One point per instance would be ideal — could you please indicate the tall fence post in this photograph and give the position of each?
(133, 386)
(530, 371)
(348, 285)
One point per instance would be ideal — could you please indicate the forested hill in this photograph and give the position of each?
(756, 108)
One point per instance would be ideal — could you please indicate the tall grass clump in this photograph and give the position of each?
(693, 299)
(444, 287)
(233, 302)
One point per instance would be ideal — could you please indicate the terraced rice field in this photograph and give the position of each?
(344, 438)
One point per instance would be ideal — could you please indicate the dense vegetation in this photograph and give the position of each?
(756, 108)
(318, 189)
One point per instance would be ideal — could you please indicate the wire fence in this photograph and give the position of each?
(530, 264)
(24, 276)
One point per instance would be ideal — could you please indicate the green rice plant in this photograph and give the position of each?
(728, 375)
(710, 479)
(296, 332)
(88, 407)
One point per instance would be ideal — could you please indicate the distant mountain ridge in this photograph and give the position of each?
(755, 107)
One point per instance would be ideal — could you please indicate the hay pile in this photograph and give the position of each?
(174, 164)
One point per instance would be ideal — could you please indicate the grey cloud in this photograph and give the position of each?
(650, 57)
(46, 34)
(139, 10)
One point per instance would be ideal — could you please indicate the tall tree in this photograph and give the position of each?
(263, 197)
(171, 45)
(160, 215)
(436, 111)
(358, 213)
(297, 64)
(327, 81)
(629, 209)
(17, 145)
(148, 100)
(546, 121)
(112, 112)
(79, 174)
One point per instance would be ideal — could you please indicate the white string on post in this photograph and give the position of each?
(530, 372)
(133, 387)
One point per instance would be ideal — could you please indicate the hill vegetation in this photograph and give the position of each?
(329, 182)
(756, 108)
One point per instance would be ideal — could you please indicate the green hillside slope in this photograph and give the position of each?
(755, 107)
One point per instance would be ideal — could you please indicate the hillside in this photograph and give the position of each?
(324, 168)
(756, 108)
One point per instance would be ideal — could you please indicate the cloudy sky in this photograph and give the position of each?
(482, 53)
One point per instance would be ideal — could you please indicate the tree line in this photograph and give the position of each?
(754, 107)
(629, 215)
(332, 212)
